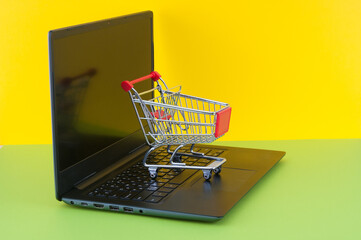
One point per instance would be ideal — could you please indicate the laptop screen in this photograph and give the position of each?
(88, 63)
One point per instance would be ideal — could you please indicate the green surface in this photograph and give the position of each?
(313, 193)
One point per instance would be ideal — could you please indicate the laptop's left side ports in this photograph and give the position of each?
(128, 209)
(114, 208)
(97, 205)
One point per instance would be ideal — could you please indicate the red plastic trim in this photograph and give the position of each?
(161, 115)
(155, 75)
(223, 118)
(126, 85)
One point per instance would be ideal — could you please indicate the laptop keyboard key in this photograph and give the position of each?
(160, 194)
(128, 195)
(169, 185)
(165, 189)
(115, 195)
(199, 164)
(161, 174)
(192, 159)
(161, 180)
(182, 177)
(202, 160)
(100, 195)
(143, 195)
(153, 199)
(151, 188)
(215, 153)
(168, 176)
(156, 184)
(91, 193)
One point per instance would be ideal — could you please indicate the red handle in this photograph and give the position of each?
(127, 85)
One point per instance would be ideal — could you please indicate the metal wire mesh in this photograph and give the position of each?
(174, 118)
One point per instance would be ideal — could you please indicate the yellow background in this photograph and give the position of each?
(290, 69)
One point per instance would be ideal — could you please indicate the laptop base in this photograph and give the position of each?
(196, 198)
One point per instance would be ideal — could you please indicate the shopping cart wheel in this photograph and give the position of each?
(207, 174)
(153, 173)
(217, 170)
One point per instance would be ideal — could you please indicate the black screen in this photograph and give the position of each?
(90, 109)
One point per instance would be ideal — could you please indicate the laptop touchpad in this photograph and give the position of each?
(229, 180)
(213, 197)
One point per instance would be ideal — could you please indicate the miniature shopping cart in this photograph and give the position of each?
(170, 118)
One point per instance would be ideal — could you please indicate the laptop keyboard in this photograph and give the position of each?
(135, 184)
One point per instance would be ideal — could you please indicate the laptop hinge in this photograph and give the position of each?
(87, 181)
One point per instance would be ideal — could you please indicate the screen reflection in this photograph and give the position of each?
(91, 109)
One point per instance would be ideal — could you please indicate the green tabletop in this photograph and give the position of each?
(312, 193)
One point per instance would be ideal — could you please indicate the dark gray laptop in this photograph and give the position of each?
(97, 140)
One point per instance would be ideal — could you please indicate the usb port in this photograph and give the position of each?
(127, 209)
(84, 204)
(114, 208)
(98, 205)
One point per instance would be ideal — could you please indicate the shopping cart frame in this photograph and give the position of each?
(153, 137)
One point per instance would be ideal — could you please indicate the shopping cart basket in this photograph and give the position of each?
(170, 118)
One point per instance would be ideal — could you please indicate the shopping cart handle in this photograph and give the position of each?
(127, 85)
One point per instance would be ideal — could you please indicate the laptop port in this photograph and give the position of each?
(97, 205)
(84, 204)
(114, 208)
(127, 209)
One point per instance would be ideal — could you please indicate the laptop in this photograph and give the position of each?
(98, 144)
